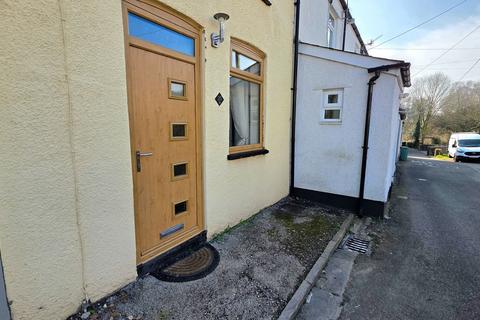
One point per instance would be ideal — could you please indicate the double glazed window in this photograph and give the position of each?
(331, 31)
(246, 105)
(152, 32)
(332, 105)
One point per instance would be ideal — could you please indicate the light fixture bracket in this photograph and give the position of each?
(219, 37)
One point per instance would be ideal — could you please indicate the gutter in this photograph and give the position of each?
(294, 95)
(405, 71)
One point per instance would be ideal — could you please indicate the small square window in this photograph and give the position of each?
(178, 131)
(177, 90)
(179, 171)
(332, 98)
(332, 105)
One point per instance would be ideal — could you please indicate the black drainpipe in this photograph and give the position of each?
(294, 96)
(345, 15)
(366, 135)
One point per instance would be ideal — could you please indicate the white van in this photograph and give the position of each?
(464, 145)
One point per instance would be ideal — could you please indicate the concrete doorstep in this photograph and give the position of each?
(299, 297)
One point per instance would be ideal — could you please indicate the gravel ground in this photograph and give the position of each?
(262, 262)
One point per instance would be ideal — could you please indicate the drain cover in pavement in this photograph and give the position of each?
(356, 244)
(196, 265)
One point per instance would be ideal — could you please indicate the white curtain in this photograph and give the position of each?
(254, 113)
(244, 109)
(239, 101)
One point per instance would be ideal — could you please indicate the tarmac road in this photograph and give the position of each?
(426, 260)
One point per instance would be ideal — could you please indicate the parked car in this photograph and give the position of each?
(463, 146)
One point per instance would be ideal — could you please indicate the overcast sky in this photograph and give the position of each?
(387, 18)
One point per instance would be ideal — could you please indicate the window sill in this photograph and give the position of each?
(246, 154)
(330, 122)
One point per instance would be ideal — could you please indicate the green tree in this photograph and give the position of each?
(427, 100)
(461, 109)
(416, 134)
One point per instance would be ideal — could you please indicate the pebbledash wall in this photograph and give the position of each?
(67, 219)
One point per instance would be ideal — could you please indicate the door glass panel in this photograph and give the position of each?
(152, 32)
(179, 170)
(180, 207)
(177, 90)
(179, 131)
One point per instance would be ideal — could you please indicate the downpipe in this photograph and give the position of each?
(294, 96)
(366, 135)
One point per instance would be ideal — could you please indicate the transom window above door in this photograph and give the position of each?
(246, 97)
(152, 32)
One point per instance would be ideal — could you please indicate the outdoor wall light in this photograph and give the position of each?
(218, 38)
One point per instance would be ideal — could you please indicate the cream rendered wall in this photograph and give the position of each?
(95, 55)
(39, 239)
(67, 220)
(235, 190)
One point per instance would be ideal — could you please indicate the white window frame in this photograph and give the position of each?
(332, 30)
(332, 106)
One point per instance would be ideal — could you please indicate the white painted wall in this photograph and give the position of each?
(383, 136)
(328, 156)
(313, 24)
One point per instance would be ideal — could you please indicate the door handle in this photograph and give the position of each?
(138, 156)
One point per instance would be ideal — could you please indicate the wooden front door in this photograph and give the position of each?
(165, 130)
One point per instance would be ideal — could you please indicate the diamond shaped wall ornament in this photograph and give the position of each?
(219, 99)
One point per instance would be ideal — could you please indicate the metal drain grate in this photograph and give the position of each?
(356, 244)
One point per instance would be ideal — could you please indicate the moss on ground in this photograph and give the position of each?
(304, 236)
(221, 235)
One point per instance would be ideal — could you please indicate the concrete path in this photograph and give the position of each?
(426, 264)
(325, 300)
